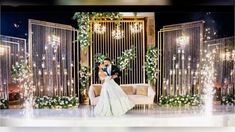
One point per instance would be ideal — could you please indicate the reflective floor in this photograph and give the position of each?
(84, 116)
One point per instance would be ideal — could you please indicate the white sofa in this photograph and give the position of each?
(135, 95)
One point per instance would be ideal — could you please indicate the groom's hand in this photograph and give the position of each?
(114, 76)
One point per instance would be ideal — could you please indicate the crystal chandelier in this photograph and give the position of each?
(54, 41)
(228, 56)
(98, 28)
(136, 27)
(117, 33)
(182, 40)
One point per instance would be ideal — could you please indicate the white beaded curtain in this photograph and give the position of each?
(4, 70)
(112, 48)
(52, 50)
(224, 49)
(18, 49)
(180, 69)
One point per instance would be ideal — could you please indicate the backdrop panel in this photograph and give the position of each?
(18, 49)
(5, 64)
(224, 49)
(52, 57)
(181, 46)
(105, 44)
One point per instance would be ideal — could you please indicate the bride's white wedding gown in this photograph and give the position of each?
(112, 101)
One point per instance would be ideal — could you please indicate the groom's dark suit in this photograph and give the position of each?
(115, 70)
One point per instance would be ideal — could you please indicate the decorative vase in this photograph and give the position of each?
(84, 97)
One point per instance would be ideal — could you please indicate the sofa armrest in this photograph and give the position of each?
(151, 93)
(91, 94)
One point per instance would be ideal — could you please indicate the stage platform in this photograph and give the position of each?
(83, 116)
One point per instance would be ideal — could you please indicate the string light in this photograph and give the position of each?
(228, 56)
(54, 40)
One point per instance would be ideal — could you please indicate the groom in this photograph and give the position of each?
(112, 70)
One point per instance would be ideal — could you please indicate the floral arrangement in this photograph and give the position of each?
(84, 77)
(151, 64)
(228, 99)
(100, 57)
(56, 102)
(124, 60)
(180, 100)
(3, 104)
(83, 21)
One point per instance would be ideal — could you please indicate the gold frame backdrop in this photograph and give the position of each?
(106, 44)
(5, 68)
(179, 63)
(52, 58)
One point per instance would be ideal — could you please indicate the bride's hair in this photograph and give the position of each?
(97, 64)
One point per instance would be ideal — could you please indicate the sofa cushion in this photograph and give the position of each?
(142, 90)
(129, 90)
(140, 99)
(97, 90)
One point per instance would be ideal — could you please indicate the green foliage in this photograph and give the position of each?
(151, 63)
(83, 23)
(3, 104)
(84, 77)
(99, 57)
(180, 100)
(123, 61)
(228, 99)
(127, 56)
(56, 102)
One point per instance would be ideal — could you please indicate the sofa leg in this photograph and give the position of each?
(144, 107)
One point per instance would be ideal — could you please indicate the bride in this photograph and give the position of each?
(112, 101)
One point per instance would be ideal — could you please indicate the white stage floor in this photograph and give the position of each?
(84, 117)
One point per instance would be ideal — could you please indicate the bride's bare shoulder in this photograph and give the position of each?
(101, 72)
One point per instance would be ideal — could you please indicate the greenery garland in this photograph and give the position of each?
(228, 99)
(56, 102)
(83, 23)
(180, 100)
(151, 64)
(99, 57)
(84, 77)
(124, 60)
(3, 104)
